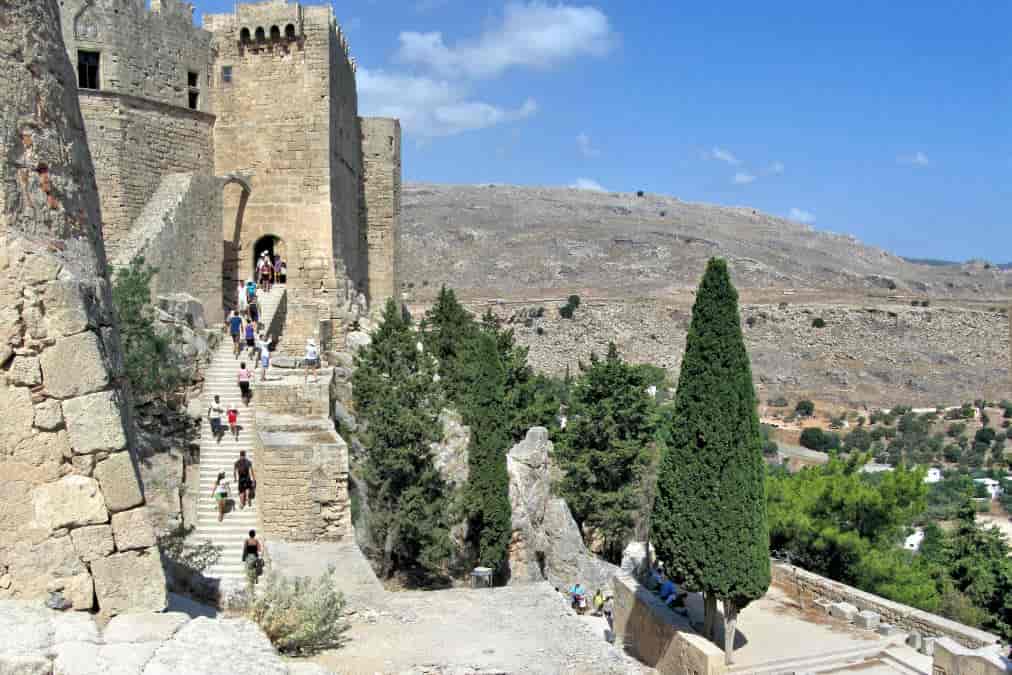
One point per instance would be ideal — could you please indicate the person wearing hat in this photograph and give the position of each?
(312, 359)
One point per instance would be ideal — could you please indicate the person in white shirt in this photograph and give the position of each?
(312, 360)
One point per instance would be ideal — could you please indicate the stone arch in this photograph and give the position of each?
(272, 244)
(86, 23)
(290, 31)
(244, 36)
(260, 35)
(230, 266)
(275, 33)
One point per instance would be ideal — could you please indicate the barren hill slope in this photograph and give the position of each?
(518, 241)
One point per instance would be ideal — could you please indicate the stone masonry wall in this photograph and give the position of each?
(302, 478)
(136, 143)
(811, 586)
(143, 53)
(177, 233)
(647, 628)
(381, 203)
(72, 515)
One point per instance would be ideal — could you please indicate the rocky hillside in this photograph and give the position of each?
(504, 241)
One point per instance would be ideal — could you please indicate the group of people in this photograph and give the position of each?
(245, 478)
(602, 604)
(271, 270)
(215, 411)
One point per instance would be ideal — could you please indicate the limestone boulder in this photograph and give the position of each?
(72, 501)
(132, 529)
(70, 307)
(203, 645)
(143, 627)
(130, 582)
(356, 341)
(75, 366)
(120, 485)
(634, 558)
(545, 541)
(37, 566)
(92, 543)
(94, 423)
(184, 309)
(450, 454)
(16, 404)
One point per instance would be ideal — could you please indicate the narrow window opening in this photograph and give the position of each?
(290, 32)
(244, 36)
(87, 70)
(275, 33)
(226, 74)
(194, 99)
(191, 79)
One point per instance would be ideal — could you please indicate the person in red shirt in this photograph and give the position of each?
(233, 422)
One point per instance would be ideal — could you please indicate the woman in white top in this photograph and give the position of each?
(312, 360)
(220, 494)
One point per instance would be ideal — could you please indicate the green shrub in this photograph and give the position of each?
(956, 429)
(815, 438)
(804, 408)
(568, 309)
(818, 322)
(300, 616)
(985, 435)
(148, 360)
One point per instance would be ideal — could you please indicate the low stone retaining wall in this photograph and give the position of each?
(810, 586)
(286, 392)
(951, 658)
(657, 636)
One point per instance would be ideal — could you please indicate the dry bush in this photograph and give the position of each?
(300, 616)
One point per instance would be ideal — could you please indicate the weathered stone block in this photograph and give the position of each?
(24, 664)
(887, 629)
(94, 422)
(74, 366)
(16, 404)
(867, 619)
(130, 582)
(132, 529)
(119, 482)
(928, 645)
(79, 590)
(133, 628)
(68, 308)
(49, 415)
(92, 543)
(823, 605)
(25, 372)
(843, 610)
(356, 341)
(72, 501)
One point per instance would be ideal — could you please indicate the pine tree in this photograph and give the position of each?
(607, 444)
(447, 328)
(397, 397)
(709, 518)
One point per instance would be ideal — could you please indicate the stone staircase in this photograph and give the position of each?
(220, 379)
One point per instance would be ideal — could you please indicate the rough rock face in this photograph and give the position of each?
(64, 459)
(546, 543)
(38, 641)
(450, 454)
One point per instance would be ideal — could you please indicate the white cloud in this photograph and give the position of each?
(801, 215)
(918, 159)
(587, 184)
(586, 148)
(430, 108)
(724, 156)
(743, 178)
(533, 34)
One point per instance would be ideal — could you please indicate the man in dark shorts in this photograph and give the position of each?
(243, 474)
(234, 323)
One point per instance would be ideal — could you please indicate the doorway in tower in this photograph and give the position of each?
(271, 245)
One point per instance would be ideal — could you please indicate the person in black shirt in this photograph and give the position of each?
(243, 474)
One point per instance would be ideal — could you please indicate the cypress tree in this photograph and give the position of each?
(397, 397)
(447, 328)
(709, 517)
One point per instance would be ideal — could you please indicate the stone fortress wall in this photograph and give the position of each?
(73, 523)
(381, 201)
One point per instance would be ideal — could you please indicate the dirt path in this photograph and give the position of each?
(527, 629)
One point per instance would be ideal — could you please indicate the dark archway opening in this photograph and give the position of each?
(269, 243)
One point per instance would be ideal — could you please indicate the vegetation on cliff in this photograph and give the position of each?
(709, 518)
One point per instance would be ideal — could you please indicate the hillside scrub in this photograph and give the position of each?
(301, 616)
(709, 517)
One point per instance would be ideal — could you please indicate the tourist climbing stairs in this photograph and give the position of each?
(221, 378)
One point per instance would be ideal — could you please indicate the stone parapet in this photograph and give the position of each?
(286, 392)
(302, 478)
(657, 636)
(810, 586)
(952, 658)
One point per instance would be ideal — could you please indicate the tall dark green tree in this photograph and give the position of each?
(605, 448)
(482, 386)
(397, 396)
(709, 516)
(446, 330)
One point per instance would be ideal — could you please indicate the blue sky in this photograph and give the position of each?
(886, 120)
